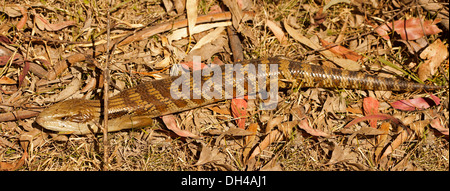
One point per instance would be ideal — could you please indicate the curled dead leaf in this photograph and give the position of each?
(43, 24)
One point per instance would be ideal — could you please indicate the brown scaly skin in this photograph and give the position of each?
(135, 107)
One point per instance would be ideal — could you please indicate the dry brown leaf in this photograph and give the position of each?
(340, 50)
(402, 137)
(208, 50)
(68, 91)
(273, 136)
(220, 110)
(435, 54)
(23, 20)
(6, 80)
(253, 128)
(43, 24)
(314, 132)
(273, 122)
(183, 32)
(249, 140)
(6, 166)
(237, 132)
(344, 63)
(191, 10)
(207, 155)
(169, 121)
(370, 106)
(208, 38)
(277, 31)
(12, 10)
(236, 13)
(381, 139)
(436, 124)
(419, 126)
(410, 29)
(179, 5)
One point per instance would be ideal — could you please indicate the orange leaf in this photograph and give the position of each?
(5, 166)
(6, 80)
(340, 50)
(239, 110)
(370, 106)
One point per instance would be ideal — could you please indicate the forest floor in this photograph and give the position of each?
(46, 56)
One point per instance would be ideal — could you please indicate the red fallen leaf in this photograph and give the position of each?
(377, 117)
(416, 103)
(43, 24)
(370, 106)
(239, 110)
(340, 50)
(410, 29)
(169, 121)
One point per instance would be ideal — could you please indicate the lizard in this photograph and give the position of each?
(135, 107)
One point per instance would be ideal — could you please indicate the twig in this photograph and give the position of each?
(105, 72)
(15, 115)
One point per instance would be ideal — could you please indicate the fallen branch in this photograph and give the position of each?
(15, 115)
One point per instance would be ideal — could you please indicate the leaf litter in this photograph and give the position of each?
(311, 129)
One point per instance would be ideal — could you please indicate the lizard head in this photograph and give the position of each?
(76, 116)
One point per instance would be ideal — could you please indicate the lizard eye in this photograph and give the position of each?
(64, 118)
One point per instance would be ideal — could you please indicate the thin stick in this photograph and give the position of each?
(105, 71)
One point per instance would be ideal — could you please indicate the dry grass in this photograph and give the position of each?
(156, 148)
